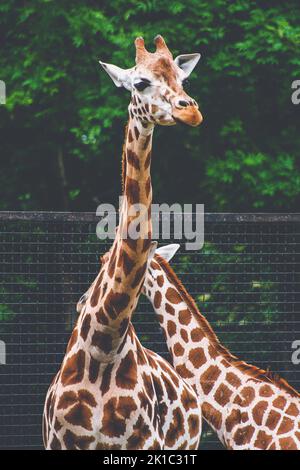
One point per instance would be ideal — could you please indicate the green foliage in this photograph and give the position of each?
(62, 124)
(5, 313)
(255, 179)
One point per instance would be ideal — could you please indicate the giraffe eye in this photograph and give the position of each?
(140, 86)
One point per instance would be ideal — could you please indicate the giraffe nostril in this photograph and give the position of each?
(183, 103)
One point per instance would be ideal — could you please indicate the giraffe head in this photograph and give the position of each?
(156, 84)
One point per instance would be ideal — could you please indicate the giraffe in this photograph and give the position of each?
(110, 392)
(248, 407)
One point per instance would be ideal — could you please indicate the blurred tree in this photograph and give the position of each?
(61, 129)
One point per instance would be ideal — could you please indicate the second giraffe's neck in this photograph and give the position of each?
(197, 354)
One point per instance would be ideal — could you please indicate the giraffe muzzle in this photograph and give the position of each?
(189, 115)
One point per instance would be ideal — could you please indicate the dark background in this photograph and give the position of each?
(62, 126)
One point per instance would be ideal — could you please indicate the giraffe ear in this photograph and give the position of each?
(120, 77)
(167, 252)
(152, 251)
(81, 302)
(187, 62)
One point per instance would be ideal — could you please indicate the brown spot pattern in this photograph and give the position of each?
(93, 370)
(212, 415)
(115, 413)
(208, 378)
(265, 391)
(106, 378)
(72, 340)
(148, 187)
(273, 419)
(169, 309)
(193, 424)
(258, 411)
(222, 394)
(171, 328)
(185, 317)
(178, 350)
(157, 299)
(141, 432)
(72, 372)
(133, 159)
(74, 442)
(288, 443)
(184, 335)
(243, 435)
(196, 335)
(103, 341)
(148, 160)
(173, 296)
(115, 303)
(85, 327)
(184, 372)
(233, 379)
(139, 275)
(246, 397)
(125, 262)
(286, 425)
(147, 140)
(132, 191)
(66, 400)
(263, 440)
(171, 392)
(80, 415)
(292, 410)
(130, 137)
(279, 402)
(176, 428)
(232, 420)
(101, 317)
(55, 444)
(126, 375)
(136, 132)
(197, 357)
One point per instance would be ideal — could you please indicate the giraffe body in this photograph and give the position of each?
(135, 401)
(247, 407)
(110, 392)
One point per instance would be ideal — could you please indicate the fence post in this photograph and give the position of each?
(2, 353)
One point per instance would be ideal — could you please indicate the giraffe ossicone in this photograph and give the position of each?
(249, 408)
(110, 392)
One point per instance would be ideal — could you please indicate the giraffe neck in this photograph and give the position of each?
(103, 322)
(198, 356)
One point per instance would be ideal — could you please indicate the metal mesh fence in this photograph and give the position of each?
(245, 280)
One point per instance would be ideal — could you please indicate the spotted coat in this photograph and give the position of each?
(110, 392)
(247, 407)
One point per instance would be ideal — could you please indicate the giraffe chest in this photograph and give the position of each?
(132, 403)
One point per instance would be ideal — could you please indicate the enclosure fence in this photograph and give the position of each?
(245, 280)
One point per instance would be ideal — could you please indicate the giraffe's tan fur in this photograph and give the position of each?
(249, 408)
(110, 392)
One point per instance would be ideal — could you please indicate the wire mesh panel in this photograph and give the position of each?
(245, 281)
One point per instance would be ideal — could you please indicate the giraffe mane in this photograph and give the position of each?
(124, 159)
(251, 370)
